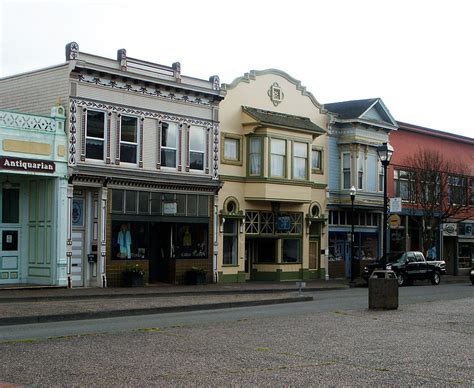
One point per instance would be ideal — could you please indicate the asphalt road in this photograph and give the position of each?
(333, 340)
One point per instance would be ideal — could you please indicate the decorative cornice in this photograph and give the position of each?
(22, 121)
(163, 93)
(141, 113)
(252, 76)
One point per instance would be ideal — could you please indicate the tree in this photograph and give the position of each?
(437, 189)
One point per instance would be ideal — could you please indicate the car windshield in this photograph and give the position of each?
(393, 257)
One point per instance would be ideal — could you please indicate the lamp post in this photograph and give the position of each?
(385, 152)
(353, 194)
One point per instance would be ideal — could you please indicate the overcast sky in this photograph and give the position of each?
(417, 55)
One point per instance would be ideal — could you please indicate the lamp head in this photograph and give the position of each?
(385, 152)
(353, 192)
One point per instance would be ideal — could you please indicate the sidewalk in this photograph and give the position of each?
(24, 305)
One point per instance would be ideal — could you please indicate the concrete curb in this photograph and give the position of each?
(146, 311)
(163, 294)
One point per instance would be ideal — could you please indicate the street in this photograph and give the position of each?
(333, 340)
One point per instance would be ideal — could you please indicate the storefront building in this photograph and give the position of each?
(357, 129)
(272, 205)
(452, 237)
(33, 206)
(143, 167)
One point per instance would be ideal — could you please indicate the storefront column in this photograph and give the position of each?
(62, 227)
(216, 239)
(70, 193)
(102, 280)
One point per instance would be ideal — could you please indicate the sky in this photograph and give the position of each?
(417, 55)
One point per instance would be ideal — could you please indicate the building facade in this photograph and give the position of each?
(453, 235)
(33, 211)
(272, 205)
(143, 164)
(357, 128)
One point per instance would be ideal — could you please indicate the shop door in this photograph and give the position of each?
(250, 249)
(77, 259)
(314, 255)
(9, 256)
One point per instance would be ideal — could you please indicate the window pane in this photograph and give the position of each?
(266, 250)
(117, 200)
(192, 205)
(316, 160)
(181, 201)
(278, 165)
(168, 135)
(300, 150)
(299, 168)
(10, 206)
(291, 251)
(278, 147)
(196, 161)
(203, 209)
(230, 250)
(168, 157)
(131, 201)
(94, 149)
(95, 124)
(255, 156)
(129, 129)
(346, 165)
(143, 202)
(128, 153)
(197, 139)
(156, 203)
(231, 149)
(190, 240)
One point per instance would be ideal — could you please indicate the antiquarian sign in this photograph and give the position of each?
(31, 165)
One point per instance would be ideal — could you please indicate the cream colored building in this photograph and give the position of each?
(273, 165)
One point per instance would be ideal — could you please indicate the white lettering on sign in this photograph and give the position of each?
(26, 164)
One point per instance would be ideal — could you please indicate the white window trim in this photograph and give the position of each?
(285, 159)
(104, 139)
(299, 157)
(204, 159)
(342, 170)
(176, 149)
(130, 143)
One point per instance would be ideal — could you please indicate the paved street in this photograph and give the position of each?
(333, 340)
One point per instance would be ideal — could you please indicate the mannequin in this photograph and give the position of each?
(124, 240)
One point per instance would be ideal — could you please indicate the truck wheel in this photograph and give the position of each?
(436, 278)
(401, 279)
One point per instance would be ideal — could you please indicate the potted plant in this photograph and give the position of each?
(196, 275)
(133, 276)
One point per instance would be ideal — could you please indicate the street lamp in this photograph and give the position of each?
(353, 194)
(385, 152)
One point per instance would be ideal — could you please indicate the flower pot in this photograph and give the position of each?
(194, 278)
(133, 280)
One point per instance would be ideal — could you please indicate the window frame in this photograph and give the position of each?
(230, 136)
(234, 235)
(320, 169)
(361, 171)
(285, 158)
(293, 157)
(203, 151)
(104, 133)
(249, 154)
(343, 172)
(128, 143)
(176, 148)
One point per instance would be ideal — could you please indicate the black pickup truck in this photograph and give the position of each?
(409, 266)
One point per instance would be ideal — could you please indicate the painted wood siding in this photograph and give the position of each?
(334, 164)
(35, 92)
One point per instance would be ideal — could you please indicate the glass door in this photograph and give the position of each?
(10, 236)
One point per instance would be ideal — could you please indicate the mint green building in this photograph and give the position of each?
(33, 198)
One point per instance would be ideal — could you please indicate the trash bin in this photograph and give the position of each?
(383, 290)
